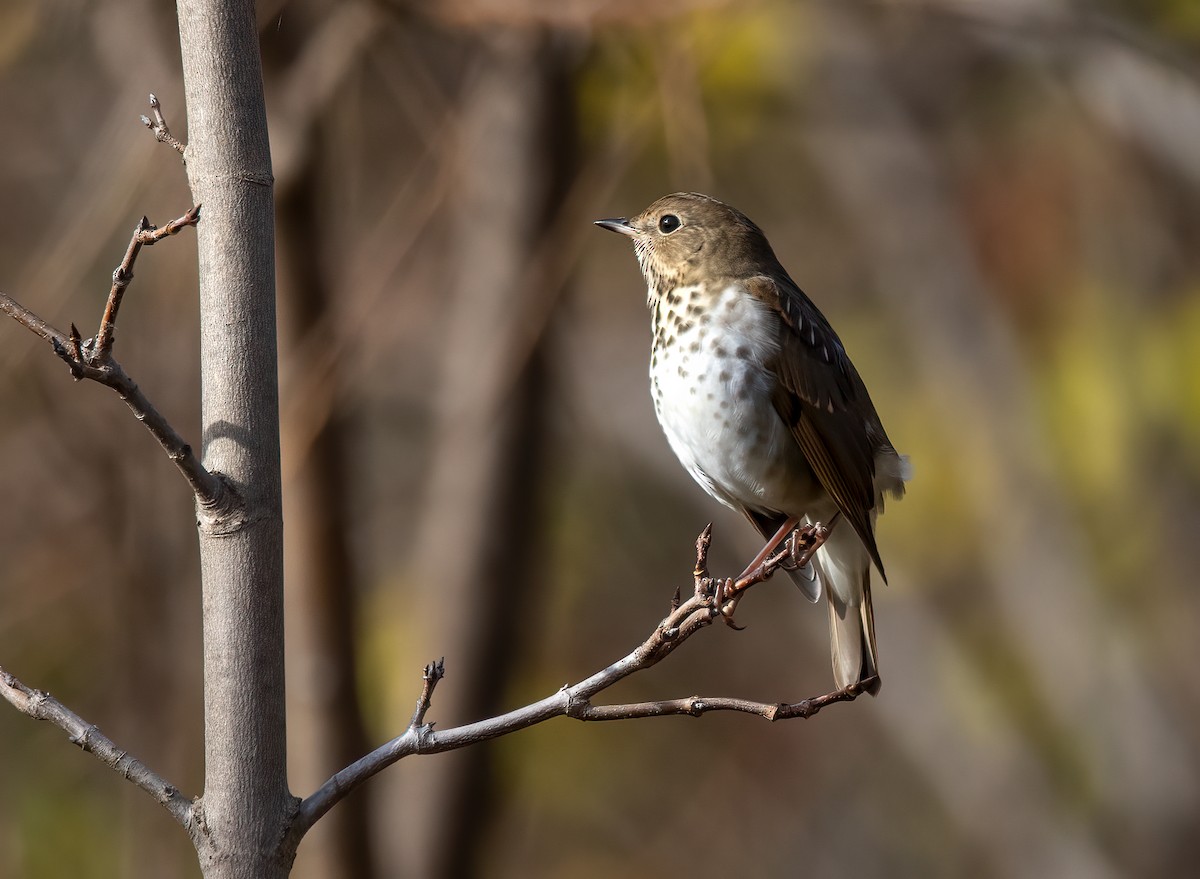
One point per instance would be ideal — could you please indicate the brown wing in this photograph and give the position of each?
(825, 403)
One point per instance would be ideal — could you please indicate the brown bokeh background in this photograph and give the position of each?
(997, 205)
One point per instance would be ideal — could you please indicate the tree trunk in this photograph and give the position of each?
(245, 804)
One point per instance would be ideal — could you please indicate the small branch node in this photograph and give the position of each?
(422, 737)
(158, 125)
(150, 234)
(69, 355)
(219, 505)
(577, 707)
(702, 544)
(433, 673)
(76, 343)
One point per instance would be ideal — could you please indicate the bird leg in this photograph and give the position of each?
(728, 607)
(784, 530)
(798, 548)
(803, 543)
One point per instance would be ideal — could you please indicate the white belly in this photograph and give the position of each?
(712, 396)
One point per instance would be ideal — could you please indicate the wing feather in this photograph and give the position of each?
(823, 400)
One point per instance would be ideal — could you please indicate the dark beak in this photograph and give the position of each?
(620, 224)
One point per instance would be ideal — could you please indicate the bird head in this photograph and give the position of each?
(687, 238)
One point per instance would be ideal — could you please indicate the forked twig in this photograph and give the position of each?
(93, 359)
(434, 672)
(144, 235)
(159, 126)
(707, 603)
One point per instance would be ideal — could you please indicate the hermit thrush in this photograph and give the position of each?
(761, 404)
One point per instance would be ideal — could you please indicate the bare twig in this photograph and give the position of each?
(144, 235)
(159, 126)
(35, 324)
(43, 706)
(695, 706)
(711, 596)
(433, 673)
(92, 359)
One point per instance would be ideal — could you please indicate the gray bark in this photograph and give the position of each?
(246, 803)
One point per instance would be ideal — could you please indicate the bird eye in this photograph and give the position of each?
(668, 224)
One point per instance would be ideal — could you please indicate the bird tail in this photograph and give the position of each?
(807, 582)
(845, 569)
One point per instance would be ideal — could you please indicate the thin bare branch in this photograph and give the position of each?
(35, 324)
(122, 275)
(434, 672)
(144, 235)
(42, 706)
(92, 359)
(159, 126)
(694, 706)
(712, 599)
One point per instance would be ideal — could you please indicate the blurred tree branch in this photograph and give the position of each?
(879, 163)
(1140, 85)
(308, 66)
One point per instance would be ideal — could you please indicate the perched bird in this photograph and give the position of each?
(761, 403)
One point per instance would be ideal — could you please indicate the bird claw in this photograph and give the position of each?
(790, 560)
(726, 606)
(728, 619)
(718, 591)
(798, 544)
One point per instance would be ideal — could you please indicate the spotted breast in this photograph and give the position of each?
(712, 394)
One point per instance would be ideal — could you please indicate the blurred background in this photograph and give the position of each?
(997, 205)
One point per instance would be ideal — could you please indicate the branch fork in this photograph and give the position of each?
(93, 359)
(417, 727)
(712, 598)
